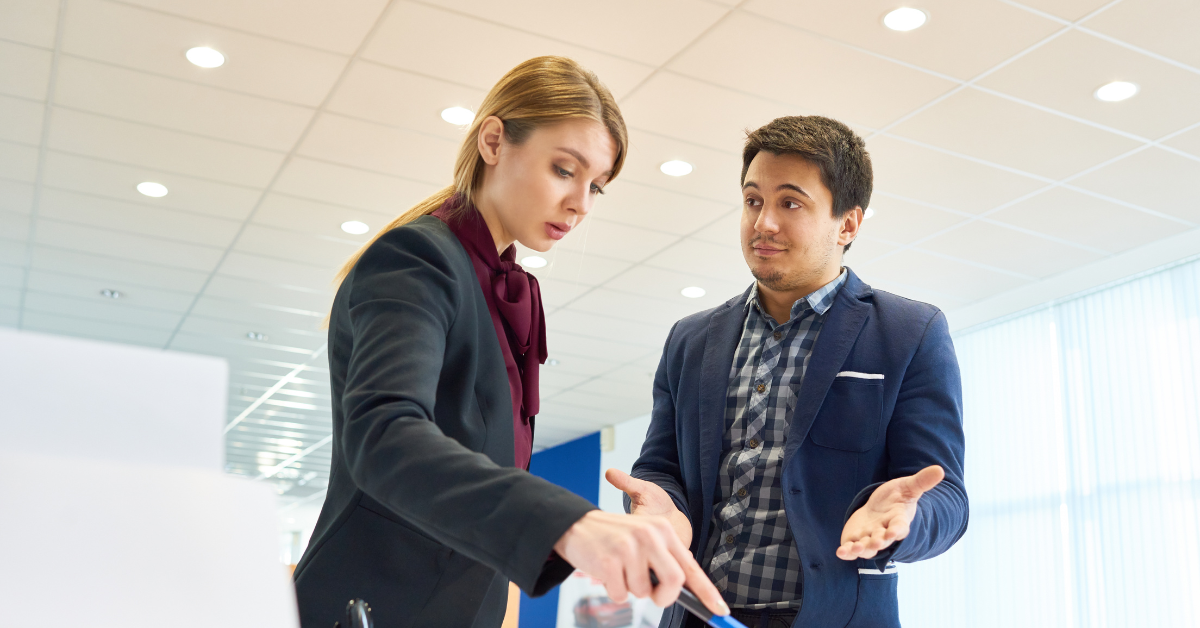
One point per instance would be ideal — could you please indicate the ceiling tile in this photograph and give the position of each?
(12, 252)
(725, 263)
(24, 71)
(1008, 249)
(338, 27)
(611, 409)
(937, 274)
(961, 38)
(640, 205)
(136, 218)
(235, 347)
(124, 275)
(9, 297)
(726, 231)
(1033, 141)
(9, 317)
(342, 185)
(937, 299)
(176, 104)
(119, 181)
(1067, 9)
(715, 176)
(403, 99)
(252, 315)
(1087, 220)
(259, 291)
(16, 197)
(865, 248)
(316, 218)
(1188, 141)
(904, 170)
(625, 28)
(640, 392)
(14, 224)
(581, 366)
(246, 266)
(139, 145)
(605, 302)
(11, 276)
(94, 329)
(903, 222)
(326, 254)
(1153, 178)
(99, 309)
(279, 338)
(155, 42)
(18, 162)
(845, 83)
(30, 22)
(406, 36)
(377, 148)
(556, 294)
(564, 345)
(603, 327)
(1064, 74)
(657, 283)
(615, 240)
(21, 120)
(573, 267)
(126, 245)
(1167, 27)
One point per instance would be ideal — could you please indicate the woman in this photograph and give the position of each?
(435, 339)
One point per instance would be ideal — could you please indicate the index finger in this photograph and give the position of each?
(697, 581)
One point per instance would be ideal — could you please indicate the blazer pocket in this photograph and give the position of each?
(851, 416)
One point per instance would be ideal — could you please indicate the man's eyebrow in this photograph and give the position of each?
(750, 184)
(784, 186)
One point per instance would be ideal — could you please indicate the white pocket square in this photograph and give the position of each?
(858, 375)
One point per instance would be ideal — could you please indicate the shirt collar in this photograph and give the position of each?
(819, 300)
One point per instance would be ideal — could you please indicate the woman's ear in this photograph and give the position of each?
(491, 133)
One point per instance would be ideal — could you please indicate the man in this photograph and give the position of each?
(807, 434)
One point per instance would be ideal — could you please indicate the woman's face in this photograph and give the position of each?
(536, 192)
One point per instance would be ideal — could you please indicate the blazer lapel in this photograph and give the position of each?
(724, 331)
(842, 325)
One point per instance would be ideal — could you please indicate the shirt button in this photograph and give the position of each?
(760, 388)
(778, 335)
(729, 538)
(753, 443)
(741, 492)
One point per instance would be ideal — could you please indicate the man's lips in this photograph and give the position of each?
(766, 251)
(557, 230)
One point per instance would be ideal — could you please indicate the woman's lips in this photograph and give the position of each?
(557, 230)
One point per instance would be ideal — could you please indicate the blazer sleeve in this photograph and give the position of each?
(403, 302)
(926, 429)
(659, 460)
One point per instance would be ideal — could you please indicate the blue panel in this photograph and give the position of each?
(574, 466)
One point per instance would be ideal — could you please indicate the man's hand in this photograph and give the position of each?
(885, 518)
(648, 498)
(620, 551)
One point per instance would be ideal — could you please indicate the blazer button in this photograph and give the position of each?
(760, 388)
(741, 492)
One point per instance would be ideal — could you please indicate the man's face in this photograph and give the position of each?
(790, 238)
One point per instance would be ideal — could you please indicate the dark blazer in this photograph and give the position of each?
(426, 518)
(847, 435)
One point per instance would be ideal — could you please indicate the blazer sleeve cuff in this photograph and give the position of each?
(544, 526)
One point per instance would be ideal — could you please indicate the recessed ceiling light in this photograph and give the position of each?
(458, 115)
(111, 294)
(676, 168)
(355, 227)
(254, 335)
(205, 57)
(867, 214)
(692, 292)
(551, 362)
(534, 261)
(152, 189)
(1116, 91)
(905, 19)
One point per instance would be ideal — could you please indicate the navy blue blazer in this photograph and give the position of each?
(847, 436)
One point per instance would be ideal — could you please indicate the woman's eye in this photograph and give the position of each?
(562, 173)
(597, 189)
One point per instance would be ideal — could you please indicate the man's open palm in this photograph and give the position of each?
(885, 518)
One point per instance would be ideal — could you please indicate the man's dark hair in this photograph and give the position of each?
(834, 148)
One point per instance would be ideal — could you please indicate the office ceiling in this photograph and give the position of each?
(996, 168)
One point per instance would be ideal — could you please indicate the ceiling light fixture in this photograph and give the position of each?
(534, 261)
(676, 168)
(458, 115)
(867, 214)
(254, 335)
(1116, 91)
(152, 189)
(905, 19)
(355, 227)
(551, 362)
(205, 57)
(111, 294)
(692, 292)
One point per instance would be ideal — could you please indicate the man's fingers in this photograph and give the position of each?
(926, 479)
(699, 582)
(622, 481)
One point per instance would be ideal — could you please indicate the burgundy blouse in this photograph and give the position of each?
(515, 302)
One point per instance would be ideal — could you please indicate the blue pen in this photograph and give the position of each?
(689, 601)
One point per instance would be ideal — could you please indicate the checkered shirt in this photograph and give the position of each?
(751, 555)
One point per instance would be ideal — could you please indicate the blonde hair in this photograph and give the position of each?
(536, 93)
